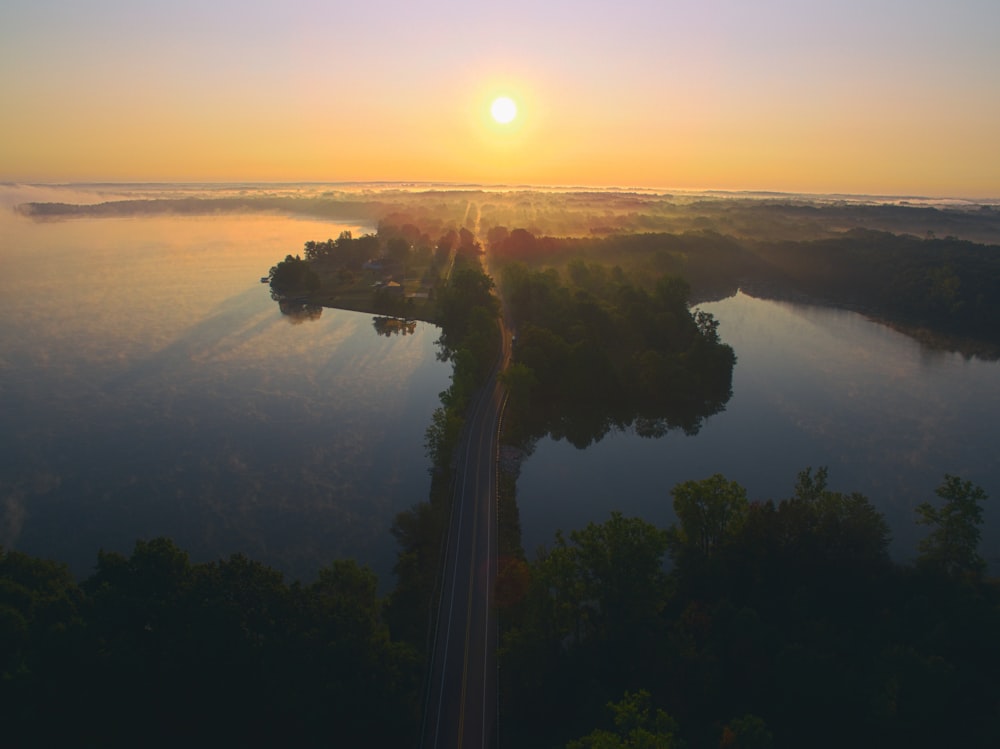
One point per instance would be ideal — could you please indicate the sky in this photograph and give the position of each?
(856, 96)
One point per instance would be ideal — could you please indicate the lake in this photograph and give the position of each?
(150, 386)
(812, 387)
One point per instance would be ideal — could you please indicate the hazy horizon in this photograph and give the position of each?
(88, 191)
(856, 98)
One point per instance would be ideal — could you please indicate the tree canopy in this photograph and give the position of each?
(154, 650)
(773, 616)
(952, 544)
(293, 275)
(599, 353)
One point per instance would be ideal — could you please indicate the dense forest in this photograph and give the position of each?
(948, 288)
(152, 650)
(744, 624)
(598, 352)
(776, 624)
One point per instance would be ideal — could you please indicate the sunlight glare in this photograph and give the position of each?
(503, 109)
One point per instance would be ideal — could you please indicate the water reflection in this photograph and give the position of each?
(299, 312)
(812, 386)
(150, 386)
(389, 326)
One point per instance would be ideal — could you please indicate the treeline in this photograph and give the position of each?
(948, 286)
(467, 312)
(778, 624)
(746, 216)
(152, 650)
(374, 271)
(341, 208)
(711, 262)
(598, 352)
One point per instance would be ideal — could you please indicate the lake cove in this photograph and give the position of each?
(812, 386)
(150, 386)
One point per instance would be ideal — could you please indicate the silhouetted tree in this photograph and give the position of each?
(636, 727)
(293, 275)
(953, 543)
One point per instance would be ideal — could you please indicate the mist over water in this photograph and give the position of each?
(150, 386)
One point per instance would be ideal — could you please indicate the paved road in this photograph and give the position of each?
(461, 706)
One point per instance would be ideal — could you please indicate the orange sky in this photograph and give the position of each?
(862, 97)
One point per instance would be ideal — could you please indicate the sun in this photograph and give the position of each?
(503, 109)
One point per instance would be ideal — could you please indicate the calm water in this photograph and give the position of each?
(812, 387)
(149, 386)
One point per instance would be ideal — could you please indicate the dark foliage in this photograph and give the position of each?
(601, 353)
(154, 651)
(346, 251)
(781, 623)
(948, 285)
(293, 275)
(467, 311)
(948, 288)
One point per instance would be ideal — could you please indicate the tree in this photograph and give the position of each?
(397, 250)
(442, 435)
(709, 511)
(841, 527)
(468, 288)
(293, 275)
(520, 381)
(496, 235)
(635, 727)
(467, 241)
(617, 567)
(748, 732)
(953, 543)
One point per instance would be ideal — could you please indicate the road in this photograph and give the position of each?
(461, 705)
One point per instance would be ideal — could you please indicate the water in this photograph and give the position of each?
(149, 386)
(812, 387)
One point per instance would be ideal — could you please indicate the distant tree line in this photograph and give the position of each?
(948, 286)
(758, 217)
(778, 624)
